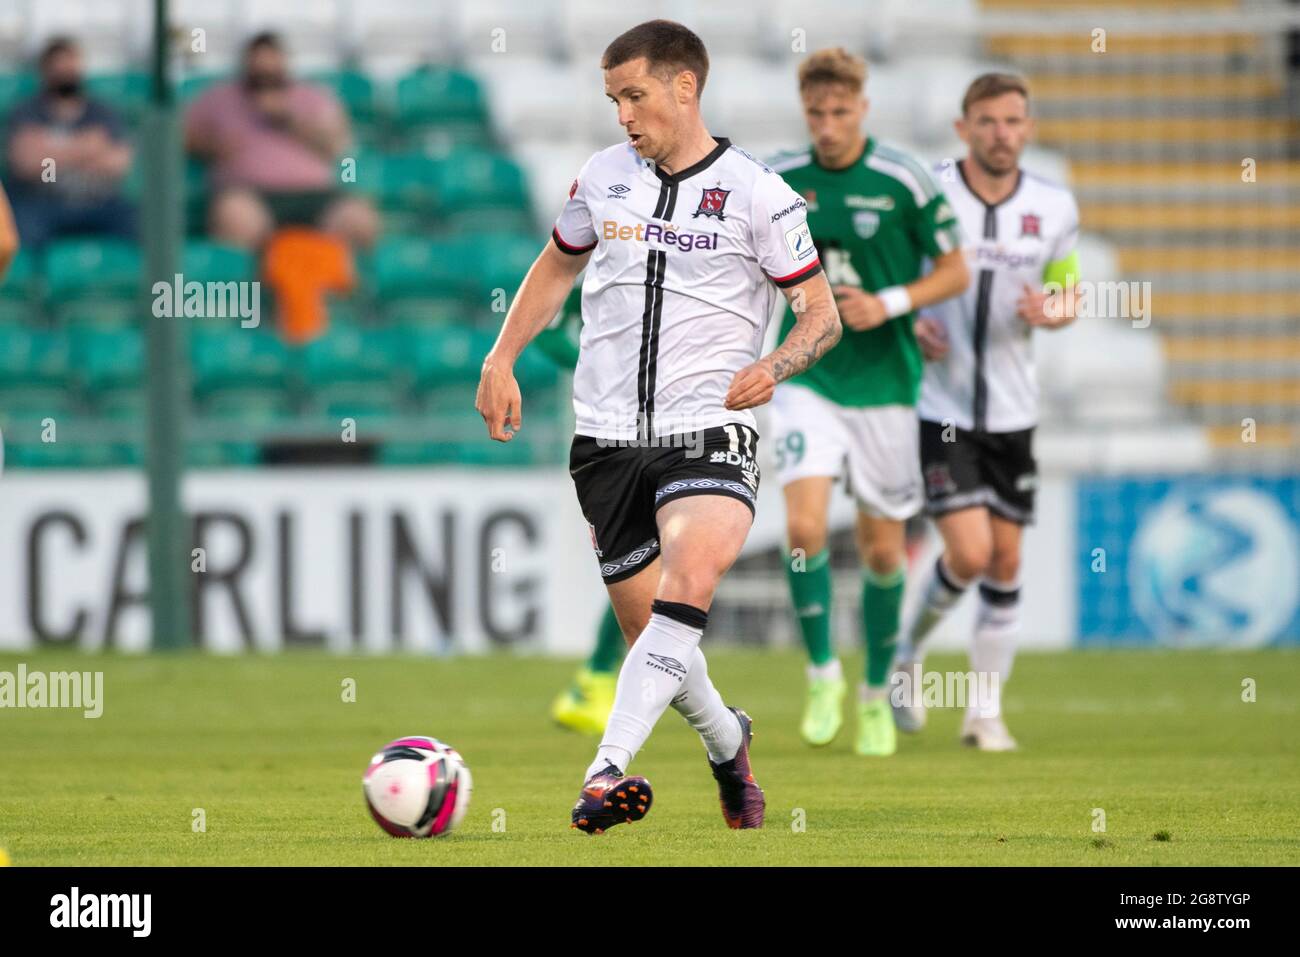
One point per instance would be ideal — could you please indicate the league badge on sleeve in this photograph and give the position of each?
(800, 241)
(711, 203)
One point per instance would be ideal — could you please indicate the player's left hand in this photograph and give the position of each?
(751, 386)
(1032, 307)
(859, 310)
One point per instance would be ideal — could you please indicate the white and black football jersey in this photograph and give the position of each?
(680, 287)
(987, 381)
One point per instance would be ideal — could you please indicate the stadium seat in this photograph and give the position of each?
(109, 359)
(224, 355)
(499, 262)
(350, 354)
(355, 90)
(450, 356)
(192, 86)
(69, 454)
(422, 276)
(251, 406)
(31, 356)
(204, 261)
(221, 454)
(127, 93)
(94, 269)
(444, 101)
(402, 184)
(479, 190)
(15, 87)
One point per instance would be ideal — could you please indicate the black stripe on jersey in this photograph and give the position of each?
(656, 261)
(981, 406)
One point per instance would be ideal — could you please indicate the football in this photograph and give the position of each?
(417, 787)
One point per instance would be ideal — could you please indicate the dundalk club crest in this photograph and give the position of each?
(711, 203)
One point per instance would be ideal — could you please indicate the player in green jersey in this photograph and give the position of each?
(876, 215)
(585, 704)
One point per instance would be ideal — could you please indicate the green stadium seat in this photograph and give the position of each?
(499, 261)
(196, 197)
(482, 191)
(108, 359)
(68, 454)
(448, 356)
(348, 353)
(19, 291)
(402, 185)
(435, 274)
(222, 454)
(252, 406)
(32, 356)
(125, 404)
(355, 91)
(25, 408)
(90, 268)
(127, 93)
(191, 87)
(369, 402)
(13, 88)
(204, 261)
(442, 99)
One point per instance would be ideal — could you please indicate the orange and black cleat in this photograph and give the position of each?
(741, 798)
(609, 798)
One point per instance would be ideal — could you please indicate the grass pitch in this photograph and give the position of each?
(1184, 770)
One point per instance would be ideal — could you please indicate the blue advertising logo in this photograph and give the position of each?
(1190, 562)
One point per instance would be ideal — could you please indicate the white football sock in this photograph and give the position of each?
(943, 589)
(701, 705)
(653, 673)
(829, 671)
(997, 626)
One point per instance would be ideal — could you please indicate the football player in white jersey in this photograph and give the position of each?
(686, 241)
(979, 397)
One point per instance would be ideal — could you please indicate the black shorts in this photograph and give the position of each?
(622, 486)
(995, 470)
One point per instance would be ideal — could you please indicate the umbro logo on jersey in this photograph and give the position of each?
(617, 190)
(711, 203)
(668, 664)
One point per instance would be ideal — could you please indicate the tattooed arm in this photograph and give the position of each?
(816, 330)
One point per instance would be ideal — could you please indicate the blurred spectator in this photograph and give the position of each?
(272, 144)
(67, 157)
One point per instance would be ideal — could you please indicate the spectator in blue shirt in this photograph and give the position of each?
(67, 157)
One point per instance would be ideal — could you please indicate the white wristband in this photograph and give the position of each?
(897, 300)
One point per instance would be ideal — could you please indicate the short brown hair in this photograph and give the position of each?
(992, 85)
(668, 48)
(833, 65)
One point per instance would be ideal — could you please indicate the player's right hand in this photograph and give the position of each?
(932, 337)
(499, 401)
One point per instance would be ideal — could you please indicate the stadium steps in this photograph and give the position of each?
(1156, 130)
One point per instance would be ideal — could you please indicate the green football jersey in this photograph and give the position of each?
(874, 223)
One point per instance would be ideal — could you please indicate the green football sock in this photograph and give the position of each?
(609, 644)
(882, 602)
(810, 590)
